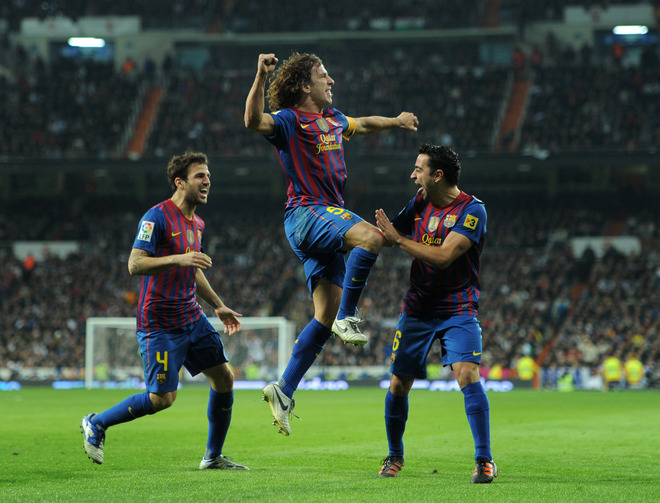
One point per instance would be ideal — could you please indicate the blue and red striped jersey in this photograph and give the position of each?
(168, 300)
(454, 290)
(311, 152)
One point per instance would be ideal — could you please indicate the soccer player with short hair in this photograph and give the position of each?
(172, 329)
(309, 136)
(443, 229)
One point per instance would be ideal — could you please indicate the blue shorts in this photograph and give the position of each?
(316, 234)
(197, 347)
(460, 337)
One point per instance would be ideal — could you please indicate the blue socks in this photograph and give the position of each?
(219, 414)
(133, 407)
(311, 340)
(396, 415)
(306, 349)
(477, 409)
(358, 267)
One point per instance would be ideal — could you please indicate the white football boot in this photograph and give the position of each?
(281, 406)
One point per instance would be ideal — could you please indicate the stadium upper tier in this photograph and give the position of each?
(260, 16)
(86, 110)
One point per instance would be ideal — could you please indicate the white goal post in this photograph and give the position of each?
(259, 351)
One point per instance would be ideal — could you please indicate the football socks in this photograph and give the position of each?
(358, 267)
(477, 409)
(306, 349)
(396, 415)
(219, 415)
(133, 407)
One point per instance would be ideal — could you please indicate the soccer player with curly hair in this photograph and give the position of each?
(308, 135)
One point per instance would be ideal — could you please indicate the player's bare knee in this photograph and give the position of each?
(372, 240)
(226, 383)
(400, 385)
(162, 401)
(466, 373)
(221, 379)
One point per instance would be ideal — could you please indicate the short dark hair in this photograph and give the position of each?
(294, 73)
(444, 158)
(179, 164)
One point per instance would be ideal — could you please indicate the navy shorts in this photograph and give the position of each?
(197, 347)
(460, 337)
(316, 235)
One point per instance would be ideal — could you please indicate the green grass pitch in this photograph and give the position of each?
(549, 446)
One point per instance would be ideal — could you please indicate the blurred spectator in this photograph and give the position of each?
(634, 370)
(618, 53)
(612, 370)
(536, 58)
(28, 266)
(526, 368)
(519, 60)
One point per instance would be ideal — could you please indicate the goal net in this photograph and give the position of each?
(257, 354)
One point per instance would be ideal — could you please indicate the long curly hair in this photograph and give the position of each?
(288, 80)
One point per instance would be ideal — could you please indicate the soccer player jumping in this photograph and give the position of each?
(172, 329)
(308, 134)
(447, 228)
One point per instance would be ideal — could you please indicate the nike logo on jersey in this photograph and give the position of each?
(304, 126)
(175, 234)
(475, 354)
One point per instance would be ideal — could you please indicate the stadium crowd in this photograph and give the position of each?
(204, 110)
(246, 17)
(90, 103)
(538, 297)
(580, 106)
(74, 109)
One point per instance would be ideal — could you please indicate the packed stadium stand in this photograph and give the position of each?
(572, 108)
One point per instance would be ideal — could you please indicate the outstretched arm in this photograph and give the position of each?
(375, 123)
(255, 118)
